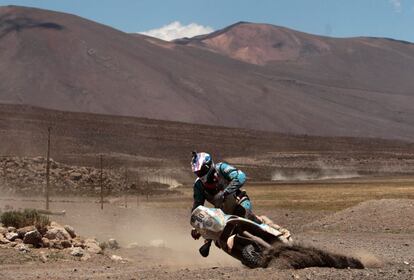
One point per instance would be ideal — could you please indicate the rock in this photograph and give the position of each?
(43, 257)
(70, 184)
(22, 231)
(28, 174)
(22, 248)
(3, 230)
(77, 252)
(12, 236)
(55, 224)
(51, 233)
(58, 233)
(85, 257)
(158, 243)
(12, 244)
(53, 164)
(70, 230)
(113, 244)
(39, 159)
(92, 246)
(33, 237)
(75, 176)
(78, 242)
(4, 240)
(132, 245)
(56, 244)
(116, 258)
(45, 242)
(66, 243)
(11, 229)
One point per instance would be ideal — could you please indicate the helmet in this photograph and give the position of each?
(202, 164)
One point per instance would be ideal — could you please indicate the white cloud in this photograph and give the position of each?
(396, 5)
(176, 30)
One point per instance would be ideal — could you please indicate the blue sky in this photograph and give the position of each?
(338, 18)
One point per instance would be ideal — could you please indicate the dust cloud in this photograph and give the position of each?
(309, 176)
(368, 259)
(322, 172)
(135, 228)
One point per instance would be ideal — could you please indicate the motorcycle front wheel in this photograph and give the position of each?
(252, 257)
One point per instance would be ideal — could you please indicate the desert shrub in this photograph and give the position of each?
(27, 217)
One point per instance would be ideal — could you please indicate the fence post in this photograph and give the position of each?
(101, 180)
(125, 188)
(48, 168)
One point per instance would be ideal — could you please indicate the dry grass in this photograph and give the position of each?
(310, 195)
(27, 217)
(328, 195)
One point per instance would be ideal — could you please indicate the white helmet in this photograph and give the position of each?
(202, 165)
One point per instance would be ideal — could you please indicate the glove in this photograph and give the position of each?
(194, 234)
(219, 199)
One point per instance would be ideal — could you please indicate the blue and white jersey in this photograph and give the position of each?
(226, 178)
(231, 177)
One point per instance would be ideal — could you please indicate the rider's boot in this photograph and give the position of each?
(205, 249)
(269, 222)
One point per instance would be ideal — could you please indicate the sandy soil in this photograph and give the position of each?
(386, 250)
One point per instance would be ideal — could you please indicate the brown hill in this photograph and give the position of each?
(259, 43)
(64, 62)
(378, 64)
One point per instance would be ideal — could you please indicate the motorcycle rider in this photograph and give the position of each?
(220, 184)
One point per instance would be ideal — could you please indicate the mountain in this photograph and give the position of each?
(290, 82)
(259, 43)
(378, 64)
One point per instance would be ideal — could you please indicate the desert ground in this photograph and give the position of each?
(370, 219)
(353, 196)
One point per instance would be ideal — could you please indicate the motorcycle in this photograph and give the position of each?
(241, 238)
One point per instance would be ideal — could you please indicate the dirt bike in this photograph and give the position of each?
(241, 238)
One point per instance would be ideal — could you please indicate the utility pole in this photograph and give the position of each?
(101, 180)
(5, 169)
(137, 199)
(48, 168)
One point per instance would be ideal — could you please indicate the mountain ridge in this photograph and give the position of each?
(65, 62)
